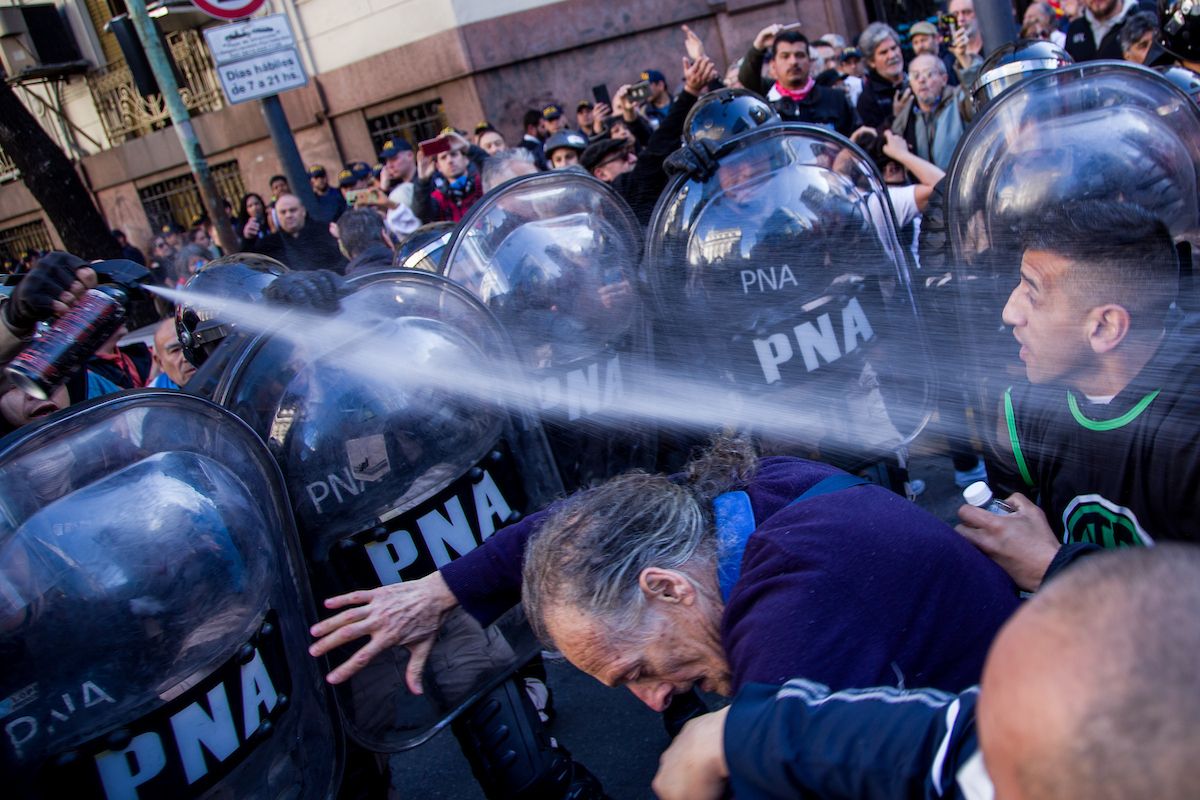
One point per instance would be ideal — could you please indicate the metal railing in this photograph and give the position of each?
(125, 114)
(8, 170)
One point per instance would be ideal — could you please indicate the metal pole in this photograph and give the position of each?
(156, 54)
(996, 23)
(289, 154)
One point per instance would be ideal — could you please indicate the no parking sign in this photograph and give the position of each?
(228, 9)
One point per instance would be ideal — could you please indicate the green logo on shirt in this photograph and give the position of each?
(1097, 520)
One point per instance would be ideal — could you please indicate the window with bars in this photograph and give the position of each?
(22, 238)
(177, 200)
(415, 123)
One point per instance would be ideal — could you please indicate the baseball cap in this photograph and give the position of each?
(394, 147)
(850, 54)
(552, 111)
(346, 178)
(316, 171)
(483, 127)
(582, 104)
(922, 28)
(601, 150)
(653, 75)
(572, 139)
(829, 77)
(376, 171)
(361, 170)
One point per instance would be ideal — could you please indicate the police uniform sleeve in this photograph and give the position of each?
(799, 740)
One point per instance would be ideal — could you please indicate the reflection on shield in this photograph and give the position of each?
(780, 278)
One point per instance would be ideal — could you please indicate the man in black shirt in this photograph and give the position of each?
(1106, 432)
(300, 243)
(795, 94)
(1097, 34)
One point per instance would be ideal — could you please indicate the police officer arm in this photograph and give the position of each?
(799, 740)
(48, 290)
(486, 582)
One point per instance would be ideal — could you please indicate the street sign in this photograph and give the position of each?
(228, 9)
(256, 58)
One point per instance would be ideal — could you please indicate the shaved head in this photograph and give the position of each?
(1091, 691)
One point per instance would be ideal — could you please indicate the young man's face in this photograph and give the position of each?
(1047, 319)
(564, 157)
(279, 187)
(400, 165)
(791, 64)
(452, 163)
(320, 183)
(584, 118)
(491, 142)
(553, 126)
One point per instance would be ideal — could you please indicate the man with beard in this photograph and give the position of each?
(795, 94)
(934, 115)
(1097, 34)
(884, 85)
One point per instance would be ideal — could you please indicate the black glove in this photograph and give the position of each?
(696, 159)
(318, 290)
(33, 299)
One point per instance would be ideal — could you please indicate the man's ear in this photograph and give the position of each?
(1107, 327)
(667, 585)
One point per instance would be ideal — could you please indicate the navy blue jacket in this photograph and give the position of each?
(855, 588)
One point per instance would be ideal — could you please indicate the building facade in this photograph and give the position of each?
(378, 68)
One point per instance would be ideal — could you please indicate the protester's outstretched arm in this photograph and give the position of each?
(750, 73)
(799, 740)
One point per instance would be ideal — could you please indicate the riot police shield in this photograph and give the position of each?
(1093, 131)
(153, 632)
(780, 277)
(399, 455)
(555, 257)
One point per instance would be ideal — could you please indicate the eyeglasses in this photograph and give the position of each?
(621, 156)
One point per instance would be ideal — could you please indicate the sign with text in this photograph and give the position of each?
(256, 58)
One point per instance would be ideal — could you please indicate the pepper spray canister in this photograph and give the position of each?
(50, 359)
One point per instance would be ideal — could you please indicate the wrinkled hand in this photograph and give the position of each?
(407, 614)
(895, 146)
(1022, 543)
(766, 37)
(899, 100)
(694, 767)
(959, 41)
(697, 75)
(692, 43)
(319, 290)
(50, 289)
(696, 159)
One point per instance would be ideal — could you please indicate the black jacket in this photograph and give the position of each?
(375, 258)
(311, 248)
(826, 107)
(875, 102)
(641, 186)
(1082, 46)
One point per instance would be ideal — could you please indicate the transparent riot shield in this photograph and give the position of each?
(783, 298)
(1094, 131)
(402, 449)
(153, 632)
(555, 257)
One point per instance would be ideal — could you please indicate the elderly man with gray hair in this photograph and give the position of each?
(932, 118)
(740, 570)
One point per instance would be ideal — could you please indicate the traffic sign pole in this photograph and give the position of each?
(289, 154)
(182, 123)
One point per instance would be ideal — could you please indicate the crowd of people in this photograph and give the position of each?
(870, 649)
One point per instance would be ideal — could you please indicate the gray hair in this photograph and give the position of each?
(1136, 26)
(939, 65)
(591, 550)
(358, 229)
(505, 165)
(874, 35)
(836, 40)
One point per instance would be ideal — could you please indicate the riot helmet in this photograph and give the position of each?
(1184, 78)
(1179, 27)
(238, 276)
(725, 113)
(402, 449)
(424, 247)
(1010, 63)
(150, 608)
(790, 243)
(555, 257)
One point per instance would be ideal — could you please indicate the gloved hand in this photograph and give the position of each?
(318, 290)
(696, 159)
(50, 289)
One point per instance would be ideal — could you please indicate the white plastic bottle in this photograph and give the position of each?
(979, 494)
